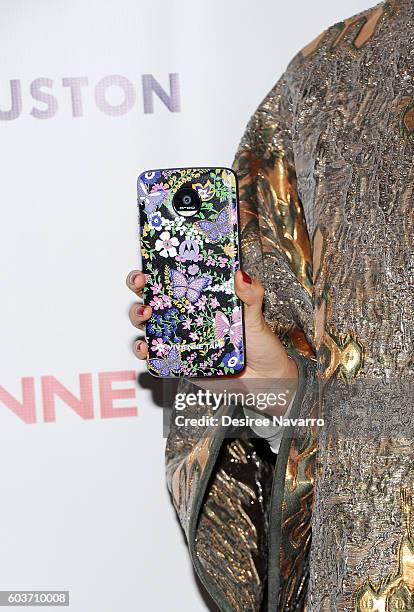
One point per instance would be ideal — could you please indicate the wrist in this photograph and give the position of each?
(291, 370)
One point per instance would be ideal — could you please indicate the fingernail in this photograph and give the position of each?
(138, 345)
(132, 276)
(246, 277)
(140, 310)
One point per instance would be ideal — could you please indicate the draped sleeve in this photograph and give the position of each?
(222, 487)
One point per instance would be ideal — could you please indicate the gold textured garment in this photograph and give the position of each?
(326, 177)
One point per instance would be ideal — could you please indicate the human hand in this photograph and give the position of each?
(266, 357)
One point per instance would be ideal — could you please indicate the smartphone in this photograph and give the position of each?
(190, 249)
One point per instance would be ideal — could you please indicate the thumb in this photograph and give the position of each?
(251, 293)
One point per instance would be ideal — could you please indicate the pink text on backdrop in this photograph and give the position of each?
(82, 402)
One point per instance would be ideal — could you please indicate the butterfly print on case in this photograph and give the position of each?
(196, 325)
(188, 287)
(169, 364)
(214, 230)
(151, 200)
(233, 328)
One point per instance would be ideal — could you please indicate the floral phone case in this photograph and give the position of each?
(196, 327)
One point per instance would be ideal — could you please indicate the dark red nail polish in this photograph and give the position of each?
(140, 310)
(132, 277)
(246, 277)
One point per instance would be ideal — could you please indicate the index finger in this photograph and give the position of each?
(136, 281)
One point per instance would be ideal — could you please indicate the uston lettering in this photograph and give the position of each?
(41, 91)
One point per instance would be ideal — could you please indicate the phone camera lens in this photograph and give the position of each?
(186, 202)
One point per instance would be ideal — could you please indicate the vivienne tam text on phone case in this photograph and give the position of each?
(196, 327)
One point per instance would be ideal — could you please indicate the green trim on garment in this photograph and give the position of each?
(277, 494)
(218, 596)
(278, 489)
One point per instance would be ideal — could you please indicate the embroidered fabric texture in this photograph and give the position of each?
(326, 179)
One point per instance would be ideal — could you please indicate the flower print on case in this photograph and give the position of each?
(233, 361)
(155, 221)
(193, 269)
(166, 245)
(196, 325)
(159, 187)
(150, 177)
(159, 346)
(206, 192)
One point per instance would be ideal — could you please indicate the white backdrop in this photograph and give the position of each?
(83, 504)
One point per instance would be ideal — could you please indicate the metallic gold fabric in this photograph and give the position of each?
(394, 591)
(326, 179)
(232, 533)
(354, 165)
